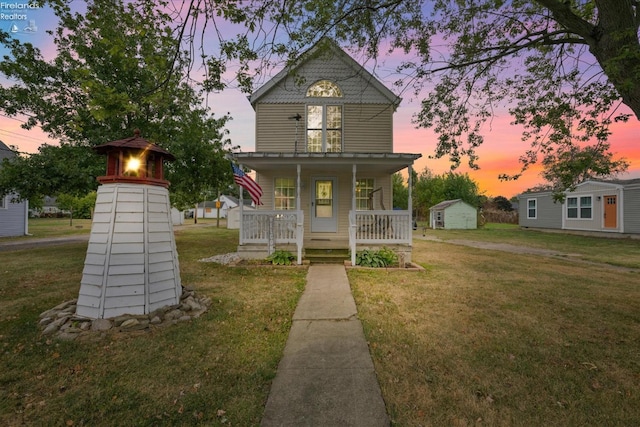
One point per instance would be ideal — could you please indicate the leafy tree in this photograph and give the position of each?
(560, 68)
(432, 189)
(571, 165)
(54, 170)
(118, 67)
(80, 207)
(200, 169)
(400, 192)
(502, 203)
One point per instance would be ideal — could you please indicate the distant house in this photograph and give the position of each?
(453, 214)
(604, 206)
(14, 217)
(233, 215)
(209, 209)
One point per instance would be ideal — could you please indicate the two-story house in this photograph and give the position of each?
(324, 159)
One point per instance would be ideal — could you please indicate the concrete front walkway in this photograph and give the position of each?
(326, 376)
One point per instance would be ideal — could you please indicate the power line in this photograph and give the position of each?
(13, 118)
(6, 132)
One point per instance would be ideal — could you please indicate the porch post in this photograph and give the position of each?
(240, 228)
(299, 218)
(352, 217)
(410, 203)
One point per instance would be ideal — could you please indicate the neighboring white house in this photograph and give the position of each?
(177, 217)
(453, 214)
(605, 206)
(209, 208)
(233, 216)
(14, 217)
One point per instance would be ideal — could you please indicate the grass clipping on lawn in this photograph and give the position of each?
(215, 370)
(490, 338)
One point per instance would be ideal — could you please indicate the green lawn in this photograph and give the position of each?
(480, 337)
(215, 370)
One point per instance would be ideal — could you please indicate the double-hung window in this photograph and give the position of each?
(579, 207)
(285, 194)
(364, 187)
(324, 118)
(532, 208)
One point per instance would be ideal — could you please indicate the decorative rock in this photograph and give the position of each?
(62, 322)
(226, 259)
(129, 323)
(45, 321)
(117, 322)
(61, 307)
(50, 329)
(134, 325)
(173, 314)
(101, 325)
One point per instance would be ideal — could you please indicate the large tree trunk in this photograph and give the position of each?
(613, 41)
(617, 48)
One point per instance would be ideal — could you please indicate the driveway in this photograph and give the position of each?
(517, 249)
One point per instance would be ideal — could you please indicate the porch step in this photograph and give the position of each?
(326, 256)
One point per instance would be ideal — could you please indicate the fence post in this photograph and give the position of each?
(271, 247)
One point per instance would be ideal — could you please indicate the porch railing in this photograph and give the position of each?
(272, 227)
(378, 227)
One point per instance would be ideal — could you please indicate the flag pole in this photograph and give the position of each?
(241, 212)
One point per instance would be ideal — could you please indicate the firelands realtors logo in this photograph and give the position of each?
(16, 14)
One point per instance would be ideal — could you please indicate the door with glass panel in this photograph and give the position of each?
(611, 211)
(324, 209)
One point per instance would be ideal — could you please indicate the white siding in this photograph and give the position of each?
(355, 86)
(344, 191)
(460, 216)
(631, 210)
(13, 218)
(131, 264)
(365, 129)
(548, 213)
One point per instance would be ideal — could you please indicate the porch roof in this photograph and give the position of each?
(365, 162)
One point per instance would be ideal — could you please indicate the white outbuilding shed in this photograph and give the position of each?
(453, 214)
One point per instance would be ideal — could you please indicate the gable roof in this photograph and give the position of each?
(324, 46)
(622, 182)
(447, 203)
(5, 152)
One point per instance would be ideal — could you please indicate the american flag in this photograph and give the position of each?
(245, 181)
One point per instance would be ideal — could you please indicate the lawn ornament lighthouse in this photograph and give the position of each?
(131, 266)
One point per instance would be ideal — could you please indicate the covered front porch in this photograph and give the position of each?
(327, 211)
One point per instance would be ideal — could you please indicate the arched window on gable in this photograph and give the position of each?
(324, 120)
(324, 89)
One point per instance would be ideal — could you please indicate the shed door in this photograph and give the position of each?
(324, 212)
(610, 211)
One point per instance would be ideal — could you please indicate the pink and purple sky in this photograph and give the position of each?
(499, 154)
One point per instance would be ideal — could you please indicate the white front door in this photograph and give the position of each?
(324, 207)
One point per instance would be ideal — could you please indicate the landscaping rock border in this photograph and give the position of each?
(62, 323)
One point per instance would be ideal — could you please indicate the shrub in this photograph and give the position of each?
(380, 258)
(281, 258)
